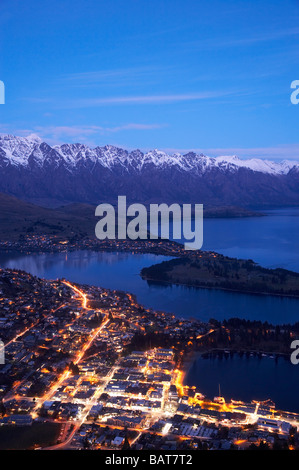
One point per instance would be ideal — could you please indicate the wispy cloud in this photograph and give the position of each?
(137, 127)
(90, 136)
(129, 76)
(247, 40)
(279, 152)
(145, 99)
(84, 133)
(36, 99)
(263, 37)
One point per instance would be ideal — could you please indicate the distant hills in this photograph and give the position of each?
(20, 218)
(48, 175)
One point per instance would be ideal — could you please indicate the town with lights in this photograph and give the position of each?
(89, 368)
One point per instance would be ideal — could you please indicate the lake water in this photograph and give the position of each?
(247, 378)
(121, 271)
(272, 241)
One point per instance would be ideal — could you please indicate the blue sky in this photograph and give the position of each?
(205, 75)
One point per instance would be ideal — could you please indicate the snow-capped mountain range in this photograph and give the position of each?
(32, 169)
(24, 151)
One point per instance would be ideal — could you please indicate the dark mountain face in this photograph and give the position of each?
(33, 170)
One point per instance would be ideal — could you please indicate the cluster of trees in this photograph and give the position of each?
(250, 335)
(74, 368)
(225, 273)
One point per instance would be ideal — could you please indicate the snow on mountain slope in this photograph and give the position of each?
(26, 151)
(255, 164)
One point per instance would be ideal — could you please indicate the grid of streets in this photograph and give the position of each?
(71, 359)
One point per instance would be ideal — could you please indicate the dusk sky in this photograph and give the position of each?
(207, 75)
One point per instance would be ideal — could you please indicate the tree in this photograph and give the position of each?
(74, 368)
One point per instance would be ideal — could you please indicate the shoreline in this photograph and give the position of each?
(187, 362)
(170, 283)
(192, 356)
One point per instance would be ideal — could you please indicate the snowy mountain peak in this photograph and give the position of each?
(34, 170)
(26, 151)
(35, 139)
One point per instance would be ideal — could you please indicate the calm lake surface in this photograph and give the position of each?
(121, 271)
(247, 378)
(272, 241)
